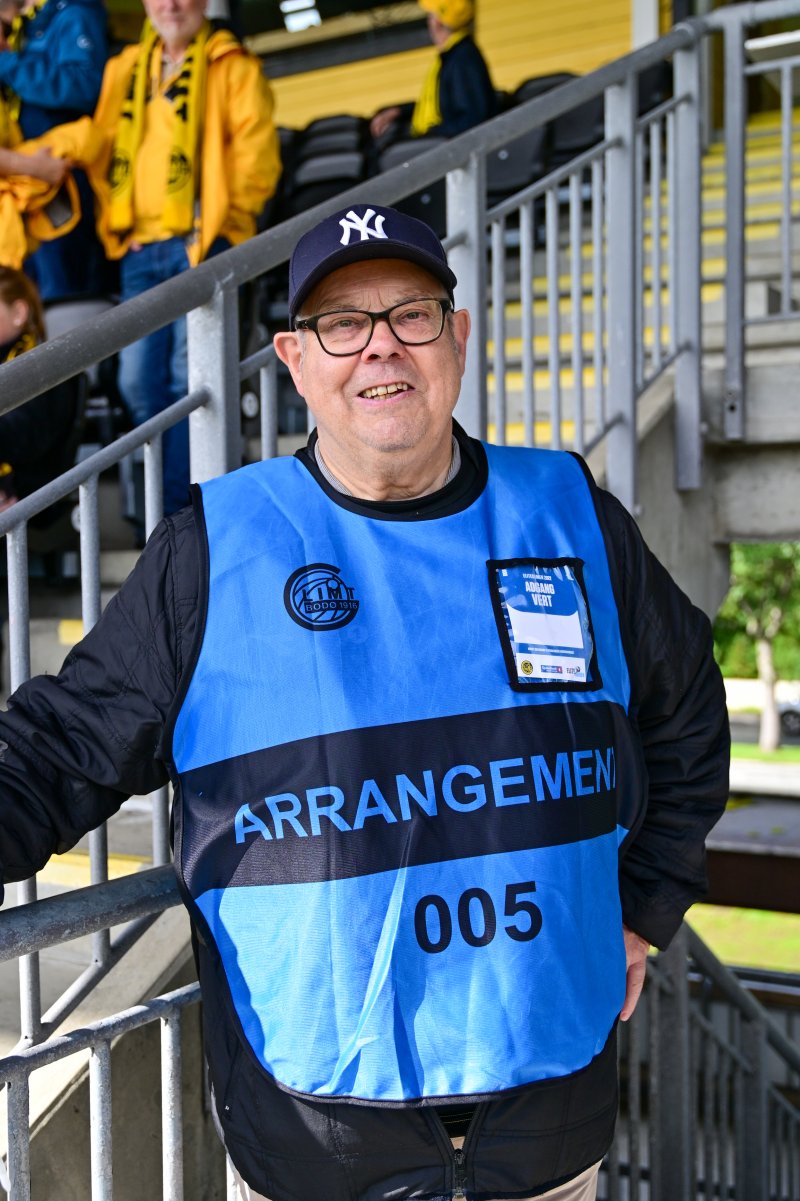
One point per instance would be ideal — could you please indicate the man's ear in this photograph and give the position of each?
(461, 327)
(289, 350)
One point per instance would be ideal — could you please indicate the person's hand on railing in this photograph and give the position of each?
(636, 949)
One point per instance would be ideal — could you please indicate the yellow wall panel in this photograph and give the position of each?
(361, 87)
(523, 38)
(519, 38)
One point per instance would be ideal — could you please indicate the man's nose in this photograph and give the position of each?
(383, 340)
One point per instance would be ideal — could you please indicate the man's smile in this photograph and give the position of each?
(385, 390)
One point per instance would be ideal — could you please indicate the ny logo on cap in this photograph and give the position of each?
(352, 223)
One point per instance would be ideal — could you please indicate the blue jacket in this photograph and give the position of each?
(58, 71)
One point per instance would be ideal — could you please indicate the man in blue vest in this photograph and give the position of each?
(445, 739)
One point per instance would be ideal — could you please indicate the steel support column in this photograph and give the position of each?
(688, 335)
(213, 342)
(672, 1141)
(735, 118)
(620, 213)
(466, 220)
(756, 1112)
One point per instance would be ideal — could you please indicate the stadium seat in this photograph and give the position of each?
(429, 204)
(654, 86)
(539, 84)
(335, 124)
(511, 168)
(577, 130)
(321, 177)
(333, 141)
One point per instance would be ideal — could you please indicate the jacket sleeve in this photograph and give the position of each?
(253, 150)
(68, 76)
(74, 746)
(678, 705)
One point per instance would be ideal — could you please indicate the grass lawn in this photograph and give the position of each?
(749, 937)
(751, 750)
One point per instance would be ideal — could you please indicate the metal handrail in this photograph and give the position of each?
(53, 920)
(733, 991)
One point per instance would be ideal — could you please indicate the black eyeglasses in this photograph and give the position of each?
(348, 331)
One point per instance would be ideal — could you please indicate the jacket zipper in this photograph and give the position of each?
(459, 1175)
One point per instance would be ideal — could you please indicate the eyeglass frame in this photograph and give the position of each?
(304, 323)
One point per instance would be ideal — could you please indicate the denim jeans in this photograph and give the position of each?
(153, 371)
(74, 266)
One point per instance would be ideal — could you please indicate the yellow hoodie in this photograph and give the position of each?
(239, 153)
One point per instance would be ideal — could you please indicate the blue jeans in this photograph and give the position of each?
(74, 266)
(153, 372)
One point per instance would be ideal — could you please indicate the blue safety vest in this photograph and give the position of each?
(406, 768)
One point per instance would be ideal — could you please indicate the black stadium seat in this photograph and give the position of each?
(328, 141)
(511, 168)
(429, 204)
(539, 84)
(319, 178)
(336, 124)
(577, 130)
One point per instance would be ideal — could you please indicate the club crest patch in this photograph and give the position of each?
(317, 598)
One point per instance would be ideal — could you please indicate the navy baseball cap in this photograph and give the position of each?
(363, 232)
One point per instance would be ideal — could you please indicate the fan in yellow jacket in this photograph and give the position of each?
(236, 161)
(182, 154)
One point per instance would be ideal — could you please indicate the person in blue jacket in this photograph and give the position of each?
(51, 67)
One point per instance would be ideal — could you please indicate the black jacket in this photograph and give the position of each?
(466, 93)
(76, 745)
(35, 438)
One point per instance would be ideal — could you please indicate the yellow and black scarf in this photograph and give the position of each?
(19, 26)
(187, 93)
(26, 341)
(7, 137)
(427, 112)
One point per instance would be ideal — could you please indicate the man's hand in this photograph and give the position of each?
(382, 120)
(636, 949)
(45, 166)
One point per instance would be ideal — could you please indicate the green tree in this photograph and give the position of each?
(763, 602)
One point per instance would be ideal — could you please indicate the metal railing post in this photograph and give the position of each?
(756, 1112)
(466, 218)
(171, 1107)
(735, 117)
(19, 1140)
(672, 1141)
(620, 102)
(688, 332)
(213, 347)
(100, 1121)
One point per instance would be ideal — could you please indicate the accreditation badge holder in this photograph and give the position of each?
(543, 620)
